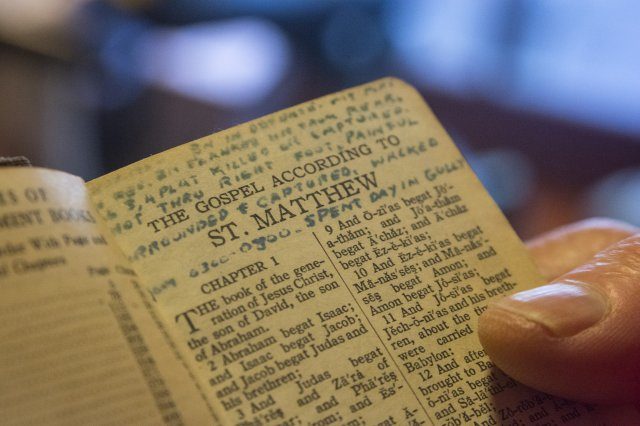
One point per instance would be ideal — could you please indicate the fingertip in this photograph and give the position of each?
(569, 346)
(559, 251)
(608, 229)
(513, 344)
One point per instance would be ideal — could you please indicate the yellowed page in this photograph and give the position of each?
(327, 264)
(77, 344)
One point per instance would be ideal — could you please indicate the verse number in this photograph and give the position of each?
(361, 273)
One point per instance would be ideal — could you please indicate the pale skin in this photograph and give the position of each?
(577, 337)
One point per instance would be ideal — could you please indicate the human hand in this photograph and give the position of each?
(579, 336)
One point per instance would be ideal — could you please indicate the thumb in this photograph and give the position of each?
(578, 337)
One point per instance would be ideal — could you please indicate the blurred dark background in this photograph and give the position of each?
(543, 97)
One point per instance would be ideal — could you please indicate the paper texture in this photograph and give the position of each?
(77, 344)
(327, 264)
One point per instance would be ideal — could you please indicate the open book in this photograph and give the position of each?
(325, 264)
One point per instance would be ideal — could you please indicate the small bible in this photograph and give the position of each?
(322, 265)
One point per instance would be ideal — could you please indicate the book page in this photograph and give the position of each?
(327, 264)
(78, 345)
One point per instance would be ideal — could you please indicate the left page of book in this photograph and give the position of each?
(78, 342)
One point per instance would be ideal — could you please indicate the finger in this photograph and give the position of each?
(565, 248)
(578, 337)
(615, 415)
